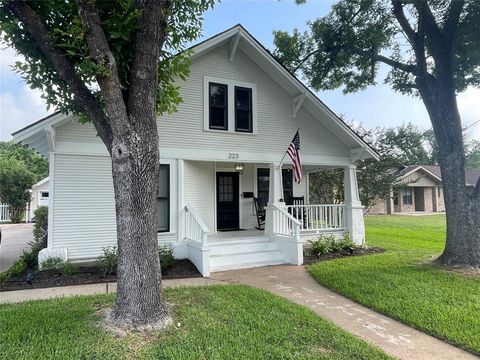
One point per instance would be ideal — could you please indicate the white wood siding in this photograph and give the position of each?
(84, 207)
(199, 190)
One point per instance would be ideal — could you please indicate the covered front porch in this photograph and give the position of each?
(231, 236)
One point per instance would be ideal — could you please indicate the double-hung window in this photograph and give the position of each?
(230, 106)
(163, 200)
(243, 109)
(218, 106)
(407, 196)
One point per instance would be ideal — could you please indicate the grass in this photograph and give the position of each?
(403, 284)
(212, 322)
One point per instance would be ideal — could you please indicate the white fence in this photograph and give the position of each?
(5, 213)
(319, 217)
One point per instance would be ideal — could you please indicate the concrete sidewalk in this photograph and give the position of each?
(395, 338)
(91, 289)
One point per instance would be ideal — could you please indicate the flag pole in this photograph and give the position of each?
(281, 171)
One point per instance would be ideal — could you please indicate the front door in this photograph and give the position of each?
(419, 199)
(227, 201)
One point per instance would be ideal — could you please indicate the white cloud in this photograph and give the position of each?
(469, 108)
(19, 111)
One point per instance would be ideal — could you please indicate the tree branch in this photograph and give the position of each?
(108, 80)
(403, 21)
(83, 96)
(149, 40)
(450, 25)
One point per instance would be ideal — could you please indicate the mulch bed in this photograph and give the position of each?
(180, 269)
(360, 251)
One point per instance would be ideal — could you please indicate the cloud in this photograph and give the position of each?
(20, 110)
(469, 108)
(19, 105)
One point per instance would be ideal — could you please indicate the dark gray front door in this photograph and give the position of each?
(227, 201)
(419, 193)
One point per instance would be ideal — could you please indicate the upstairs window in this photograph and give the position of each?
(243, 109)
(218, 106)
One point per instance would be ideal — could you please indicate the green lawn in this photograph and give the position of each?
(403, 284)
(213, 322)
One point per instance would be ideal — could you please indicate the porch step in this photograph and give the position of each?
(244, 253)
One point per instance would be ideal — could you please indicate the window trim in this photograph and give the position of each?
(225, 127)
(260, 167)
(230, 105)
(237, 129)
(173, 197)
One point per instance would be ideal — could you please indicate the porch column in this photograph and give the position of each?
(275, 194)
(354, 209)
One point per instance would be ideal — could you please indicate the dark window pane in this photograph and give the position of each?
(243, 109)
(218, 95)
(218, 117)
(263, 181)
(163, 200)
(244, 120)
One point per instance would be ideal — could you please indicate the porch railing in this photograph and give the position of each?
(319, 217)
(195, 229)
(284, 224)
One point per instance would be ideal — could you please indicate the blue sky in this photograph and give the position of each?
(376, 106)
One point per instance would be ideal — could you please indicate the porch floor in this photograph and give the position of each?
(231, 235)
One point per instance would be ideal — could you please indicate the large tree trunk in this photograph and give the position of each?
(135, 170)
(462, 246)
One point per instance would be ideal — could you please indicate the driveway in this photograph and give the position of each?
(15, 239)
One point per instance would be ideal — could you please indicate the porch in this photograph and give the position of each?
(234, 245)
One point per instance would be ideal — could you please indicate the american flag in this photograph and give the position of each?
(294, 152)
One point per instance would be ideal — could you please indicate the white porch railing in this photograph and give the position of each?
(284, 224)
(319, 217)
(195, 229)
(5, 213)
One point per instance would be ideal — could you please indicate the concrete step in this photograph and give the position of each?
(237, 259)
(236, 248)
(240, 240)
(245, 265)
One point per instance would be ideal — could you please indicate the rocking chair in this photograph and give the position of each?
(260, 213)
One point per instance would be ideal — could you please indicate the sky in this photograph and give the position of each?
(376, 106)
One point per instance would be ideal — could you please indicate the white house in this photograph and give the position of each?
(40, 195)
(240, 110)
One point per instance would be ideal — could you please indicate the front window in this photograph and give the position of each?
(263, 183)
(243, 109)
(163, 200)
(218, 95)
(407, 196)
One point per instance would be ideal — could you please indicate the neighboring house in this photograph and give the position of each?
(423, 191)
(240, 111)
(40, 195)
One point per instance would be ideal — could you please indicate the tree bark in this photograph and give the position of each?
(462, 247)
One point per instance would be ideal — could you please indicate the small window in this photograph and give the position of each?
(439, 191)
(44, 194)
(407, 196)
(263, 183)
(163, 200)
(243, 109)
(218, 95)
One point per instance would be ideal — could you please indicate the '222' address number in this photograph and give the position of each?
(233, 155)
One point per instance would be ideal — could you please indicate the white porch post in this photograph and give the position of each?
(275, 193)
(354, 209)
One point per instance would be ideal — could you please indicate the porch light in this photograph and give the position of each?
(239, 167)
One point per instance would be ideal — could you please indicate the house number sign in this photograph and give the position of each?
(233, 155)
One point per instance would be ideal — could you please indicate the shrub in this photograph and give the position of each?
(68, 269)
(40, 229)
(326, 244)
(30, 258)
(53, 263)
(165, 254)
(17, 269)
(107, 262)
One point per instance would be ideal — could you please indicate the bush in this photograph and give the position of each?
(68, 269)
(165, 254)
(40, 229)
(107, 262)
(53, 263)
(327, 244)
(30, 258)
(18, 268)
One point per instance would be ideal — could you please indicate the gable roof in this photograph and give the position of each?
(471, 176)
(237, 36)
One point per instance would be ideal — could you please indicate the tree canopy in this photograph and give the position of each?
(33, 161)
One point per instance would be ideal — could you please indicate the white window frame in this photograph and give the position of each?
(173, 196)
(230, 103)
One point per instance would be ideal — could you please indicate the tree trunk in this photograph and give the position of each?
(462, 246)
(135, 170)
(16, 213)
